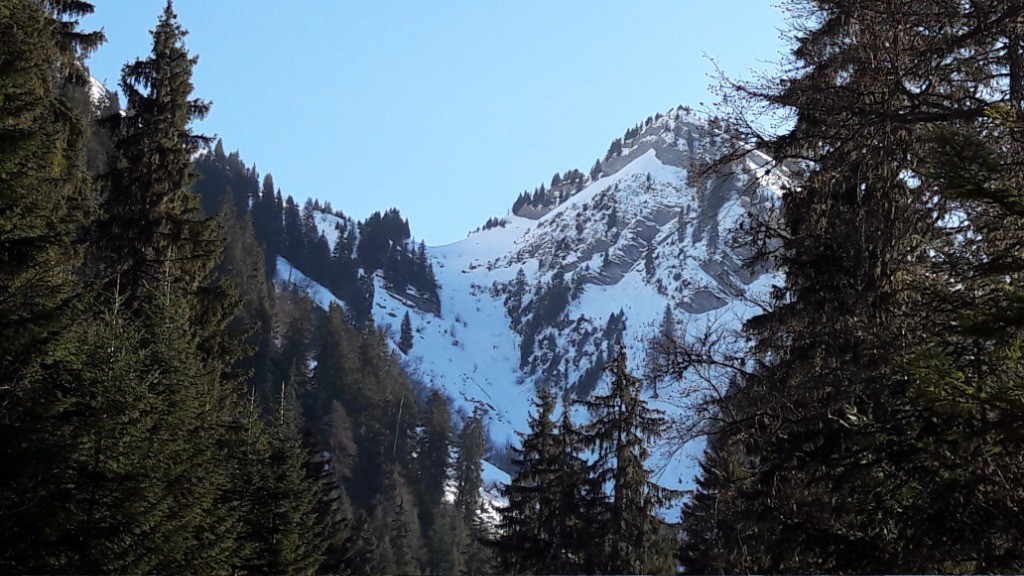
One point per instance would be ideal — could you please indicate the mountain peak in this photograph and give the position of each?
(546, 294)
(672, 135)
(584, 266)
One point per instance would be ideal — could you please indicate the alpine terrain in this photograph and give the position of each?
(593, 261)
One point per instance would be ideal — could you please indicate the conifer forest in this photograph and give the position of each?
(200, 374)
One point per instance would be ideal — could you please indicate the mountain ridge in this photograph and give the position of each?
(546, 295)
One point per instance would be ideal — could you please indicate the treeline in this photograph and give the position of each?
(874, 426)
(533, 204)
(162, 409)
(544, 199)
(344, 264)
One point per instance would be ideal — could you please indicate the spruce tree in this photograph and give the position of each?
(93, 498)
(293, 541)
(650, 267)
(832, 454)
(405, 338)
(44, 203)
(551, 521)
(573, 512)
(434, 456)
(521, 547)
(396, 534)
(250, 478)
(468, 467)
(619, 431)
(971, 380)
(152, 231)
(74, 46)
(45, 196)
(157, 256)
(449, 542)
(468, 485)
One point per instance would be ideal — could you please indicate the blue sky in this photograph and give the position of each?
(445, 109)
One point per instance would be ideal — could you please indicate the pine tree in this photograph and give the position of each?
(434, 456)
(92, 496)
(832, 454)
(197, 525)
(40, 149)
(268, 224)
(450, 542)
(340, 443)
(712, 520)
(73, 45)
(396, 533)
(405, 338)
(294, 248)
(293, 541)
(549, 524)
(157, 256)
(468, 467)
(971, 381)
(44, 204)
(620, 428)
(650, 268)
(152, 229)
(663, 342)
(575, 510)
(249, 480)
(468, 485)
(521, 547)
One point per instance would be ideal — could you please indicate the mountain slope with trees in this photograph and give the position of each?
(197, 374)
(162, 407)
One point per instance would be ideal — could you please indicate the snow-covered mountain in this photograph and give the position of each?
(547, 293)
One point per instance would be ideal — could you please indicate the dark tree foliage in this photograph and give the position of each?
(128, 443)
(521, 547)
(552, 523)
(268, 224)
(377, 235)
(397, 546)
(468, 476)
(73, 45)
(405, 338)
(468, 469)
(153, 232)
(650, 267)
(449, 543)
(46, 372)
(548, 304)
(620, 429)
(346, 268)
(40, 150)
(294, 235)
(559, 518)
(856, 441)
(225, 176)
(434, 454)
(520, 201)
(295, 537)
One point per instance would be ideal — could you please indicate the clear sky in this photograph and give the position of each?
(447, 109)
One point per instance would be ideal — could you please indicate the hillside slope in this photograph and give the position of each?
(597, 262)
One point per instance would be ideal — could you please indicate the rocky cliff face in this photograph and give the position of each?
(591, 263)
(597, 261)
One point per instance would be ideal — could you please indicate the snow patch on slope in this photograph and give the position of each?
(635, 240)
(290, 278)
